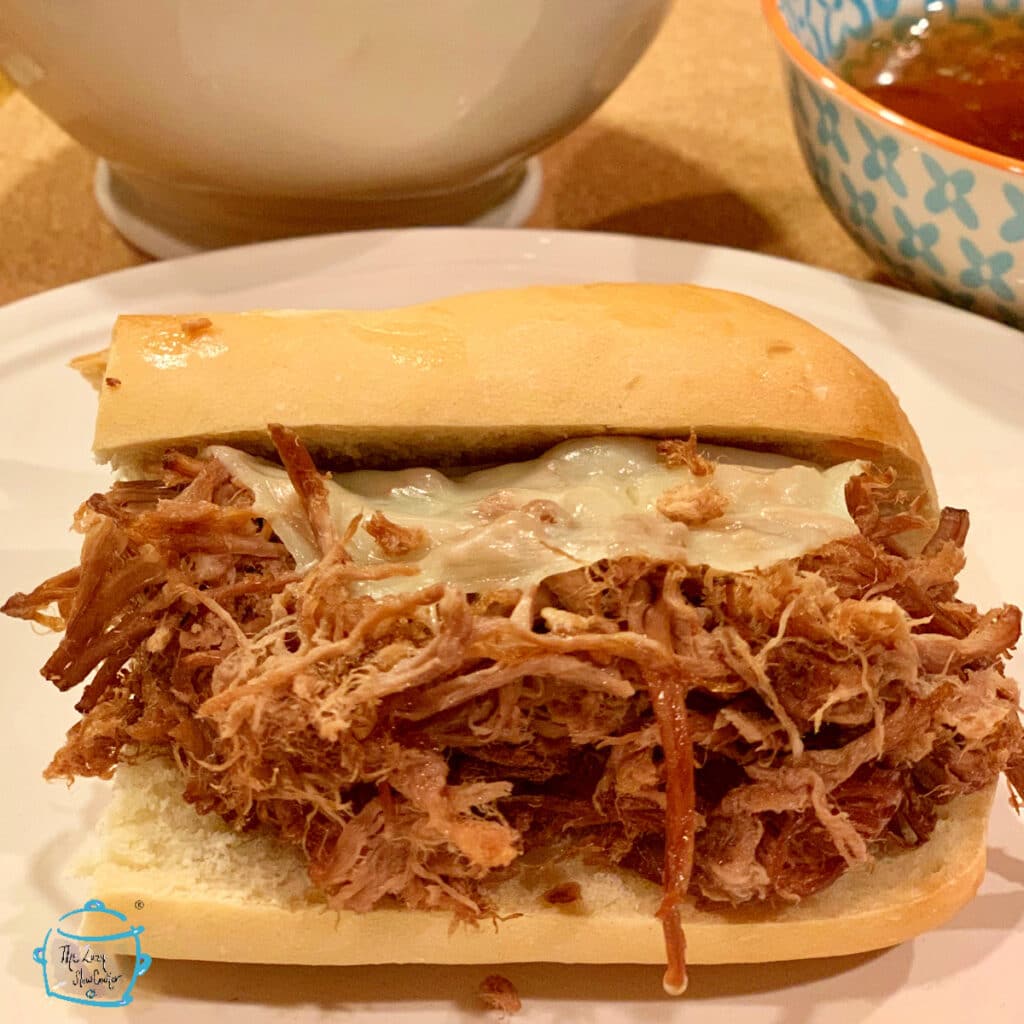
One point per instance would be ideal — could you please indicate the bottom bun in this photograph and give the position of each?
(205, 892)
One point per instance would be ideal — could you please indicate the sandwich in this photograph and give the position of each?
(607, 623)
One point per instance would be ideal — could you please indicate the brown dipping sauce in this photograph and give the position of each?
(963, 77)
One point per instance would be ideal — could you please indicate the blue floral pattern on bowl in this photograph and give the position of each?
(928, 210)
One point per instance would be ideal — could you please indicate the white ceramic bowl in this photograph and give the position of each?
(238, 119)
(942, 215)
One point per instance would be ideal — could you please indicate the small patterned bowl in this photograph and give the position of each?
(943, 216)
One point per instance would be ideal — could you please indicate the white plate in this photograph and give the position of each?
(961, 379)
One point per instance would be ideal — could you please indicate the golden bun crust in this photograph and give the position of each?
(211, 894)
(496, 375)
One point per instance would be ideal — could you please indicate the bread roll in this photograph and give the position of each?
(495, 375)
(211, 893)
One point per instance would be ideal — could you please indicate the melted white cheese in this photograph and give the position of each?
(603, 494)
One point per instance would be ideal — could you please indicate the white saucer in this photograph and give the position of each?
(166, 222)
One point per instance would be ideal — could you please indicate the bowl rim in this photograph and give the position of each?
(812, 67)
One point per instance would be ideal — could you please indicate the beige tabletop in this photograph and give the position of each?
(696, 144)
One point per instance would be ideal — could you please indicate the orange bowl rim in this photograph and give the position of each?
(812, 67)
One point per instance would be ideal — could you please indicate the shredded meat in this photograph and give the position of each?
(565, 892)
(693, 505)
(308, 484)
(394, 540)
(675, 452)
(498, 993)
(196, 327)
(501, 503)
(667, 692)
(736, 737)
(883, 513)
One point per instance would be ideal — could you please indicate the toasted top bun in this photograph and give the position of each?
(206, 892)
(497, 375)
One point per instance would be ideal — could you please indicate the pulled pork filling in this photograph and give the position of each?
(736, 737)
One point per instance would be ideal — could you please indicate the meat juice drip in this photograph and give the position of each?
(963, 77)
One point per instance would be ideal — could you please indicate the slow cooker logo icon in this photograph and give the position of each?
(83, 957)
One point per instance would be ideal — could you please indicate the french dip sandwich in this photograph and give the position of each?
(661, 660)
